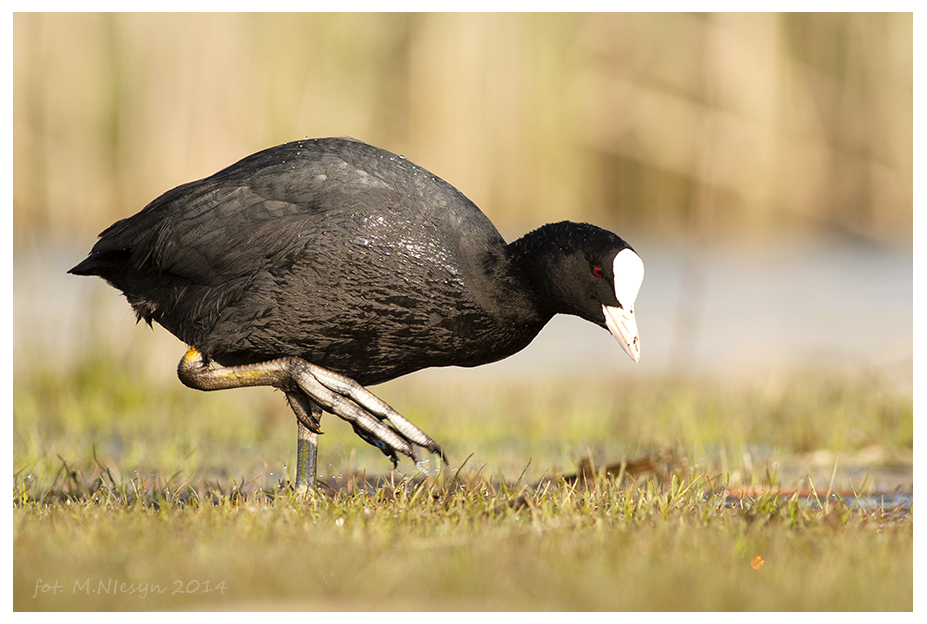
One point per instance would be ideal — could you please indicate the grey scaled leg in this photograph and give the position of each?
(308, 417)
(307, 458)
(309, 388)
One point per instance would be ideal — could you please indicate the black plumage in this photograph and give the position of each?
(351, 258)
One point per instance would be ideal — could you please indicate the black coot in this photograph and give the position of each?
(325, 265)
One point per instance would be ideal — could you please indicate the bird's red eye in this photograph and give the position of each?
(598, 272)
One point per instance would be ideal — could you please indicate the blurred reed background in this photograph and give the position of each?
(672, 125)
(682, 132)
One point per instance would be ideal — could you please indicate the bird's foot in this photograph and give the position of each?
(306, 386)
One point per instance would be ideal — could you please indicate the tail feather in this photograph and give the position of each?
(106, 264)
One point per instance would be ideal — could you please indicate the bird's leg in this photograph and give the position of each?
(336, 393)
(307, 458)
(308, 415)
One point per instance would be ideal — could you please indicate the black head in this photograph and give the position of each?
(592, 273)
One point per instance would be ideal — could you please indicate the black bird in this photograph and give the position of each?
(326, 265)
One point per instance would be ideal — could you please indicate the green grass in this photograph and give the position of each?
(609, 547)
(119, 480)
